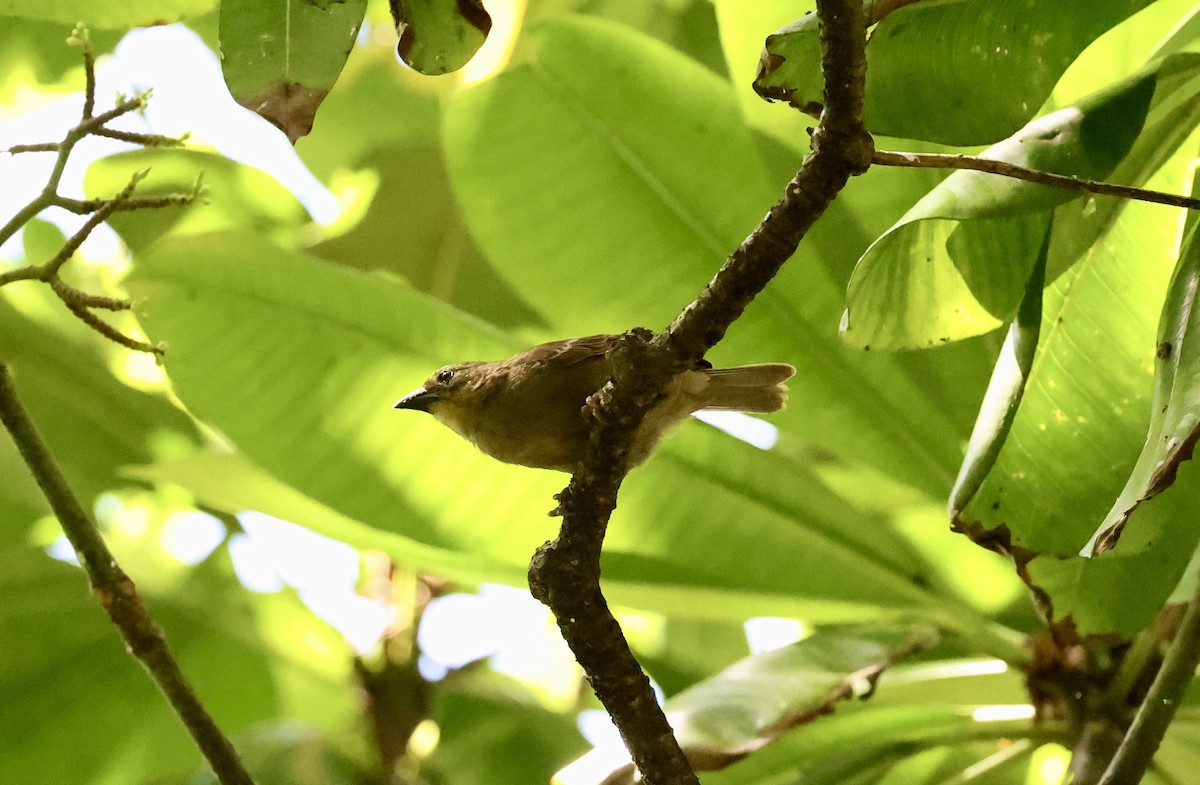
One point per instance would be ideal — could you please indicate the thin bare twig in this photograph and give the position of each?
(24, 216)
(50, 268)
(72, 296)
(85, 206)
(81, 38)
(565, 573)
(1006, 169)
(40, 147)
(145, 140)
(98, 210)
(116, 591)
(110, 332)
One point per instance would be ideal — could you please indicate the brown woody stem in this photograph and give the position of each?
(565, 573)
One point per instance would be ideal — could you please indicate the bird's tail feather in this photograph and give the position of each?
(750, 388)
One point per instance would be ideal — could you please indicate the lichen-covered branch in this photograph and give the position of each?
(115, 591)
(565, 573)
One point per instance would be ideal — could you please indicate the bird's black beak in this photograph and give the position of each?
(419, 400)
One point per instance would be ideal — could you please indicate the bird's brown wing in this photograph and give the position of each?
(576, 350)
(577, 365)
(569, 351)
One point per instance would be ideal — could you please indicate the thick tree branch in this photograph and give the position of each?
(1005, 169)
(115, 591)
(1136, 752)
(565, 573)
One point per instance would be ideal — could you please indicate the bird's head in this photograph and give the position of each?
(450, 393)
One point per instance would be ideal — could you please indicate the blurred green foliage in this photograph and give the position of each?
(588, 172)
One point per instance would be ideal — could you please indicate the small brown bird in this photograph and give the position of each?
(528, 409)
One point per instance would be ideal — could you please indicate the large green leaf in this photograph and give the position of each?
(1086, 403)
(956, 264)
(93, 422)
(235, 196)
(1076, 436)
(618, 98)
(480, 733)
(413, 227)
(1093, 592)
(964, 72)
(32, 50)
(1175, 409)
(619, 227)
(343, 142)
(281, 57)
(298, 361)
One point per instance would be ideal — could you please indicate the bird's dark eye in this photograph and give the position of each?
(444, 376)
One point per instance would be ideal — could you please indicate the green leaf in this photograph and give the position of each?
(343, 142)
(1123, 590)
(480, 733)
(439, 36)
(85, 710)
(957, 263)
(1073, 440)
(41, 240)
(1175, 409)
(1174, 114)
(916, 707)
(1005, 389)
(281, 58)
(107, 13)
(92, 421)
(287, 752)
(1077, 432)
(235, 196)
(1181, 37)
(37, 51)
(758, 699)
(741, 26)
(231, 483)
(636, 230)
(618, 97)
(962, 73)
(414, 218)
